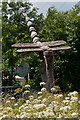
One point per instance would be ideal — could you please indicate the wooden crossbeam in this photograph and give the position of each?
(40, 49)
(34, 45)
(46, 49)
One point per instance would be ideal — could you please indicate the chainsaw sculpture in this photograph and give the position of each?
(45, 50)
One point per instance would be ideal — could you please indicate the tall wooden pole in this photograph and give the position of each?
(47, 74)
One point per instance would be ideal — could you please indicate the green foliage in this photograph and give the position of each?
(64, 26)
(15, 31)
(56, 26)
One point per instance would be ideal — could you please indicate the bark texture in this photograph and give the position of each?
(47, 73)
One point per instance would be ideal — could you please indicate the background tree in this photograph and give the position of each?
(64, 26)
(56, 26)
(15, 31)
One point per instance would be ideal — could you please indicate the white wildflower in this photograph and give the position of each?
(53, 102)
(60, 116)
(2, 93)
(27, 107)
(9, 108)
(7, 102)
(4, 116)
(75, 94)
(17, 116)
(5, 112)
(53, 89)
(31, 96)
(23, 115)
(55, 105)
(27, 86)
(74, 98)
(12, 98)
(35, 101)
(27, 91)
(62, 108)
(35, 114)
(40, 114)
(79, 101)
(39, 93)
(1, 114)
(44, 100)
(65, 108)
(66, 102)
(15, 104)
(27, 102)
(47, 114)
(22, 106)
(60, 96)
(38, 106)
(1, 108)
(40, 97)
(42, 83)
(49, 109)
(51, 106)
(72, 102)
(74, 114)
(55, 95)
(43, 89)
(50, 114)
(67, 98)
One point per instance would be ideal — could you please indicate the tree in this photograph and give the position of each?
(64, 26)
(15, 31)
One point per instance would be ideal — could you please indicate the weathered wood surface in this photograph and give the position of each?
(47, 73)
(42, 49)
(30, 45)
(45, 50)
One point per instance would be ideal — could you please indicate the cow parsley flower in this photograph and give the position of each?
(42, 83)
(44, 100)
(75, 94)
(27, 86)
(43, 89)
(12, 98)
(67, 98)
(39, 93)
(38, 106)
(5, 116)
(27, 102)
(74, 98)
(65, 108)
(74, 114)
(60, 96)
(27, 91)
(79, 101)
(15, 104)
(53, 89)
(66, 101)
(7, 102)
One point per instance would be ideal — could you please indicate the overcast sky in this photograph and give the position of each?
(60, 6)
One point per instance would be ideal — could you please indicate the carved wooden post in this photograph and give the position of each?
(47, 63)
(45, 52)
(48, 73)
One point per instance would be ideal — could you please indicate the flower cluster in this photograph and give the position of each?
(42, 105)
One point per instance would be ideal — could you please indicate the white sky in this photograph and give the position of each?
(54, 0)
(42, 0)
(60, 6)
